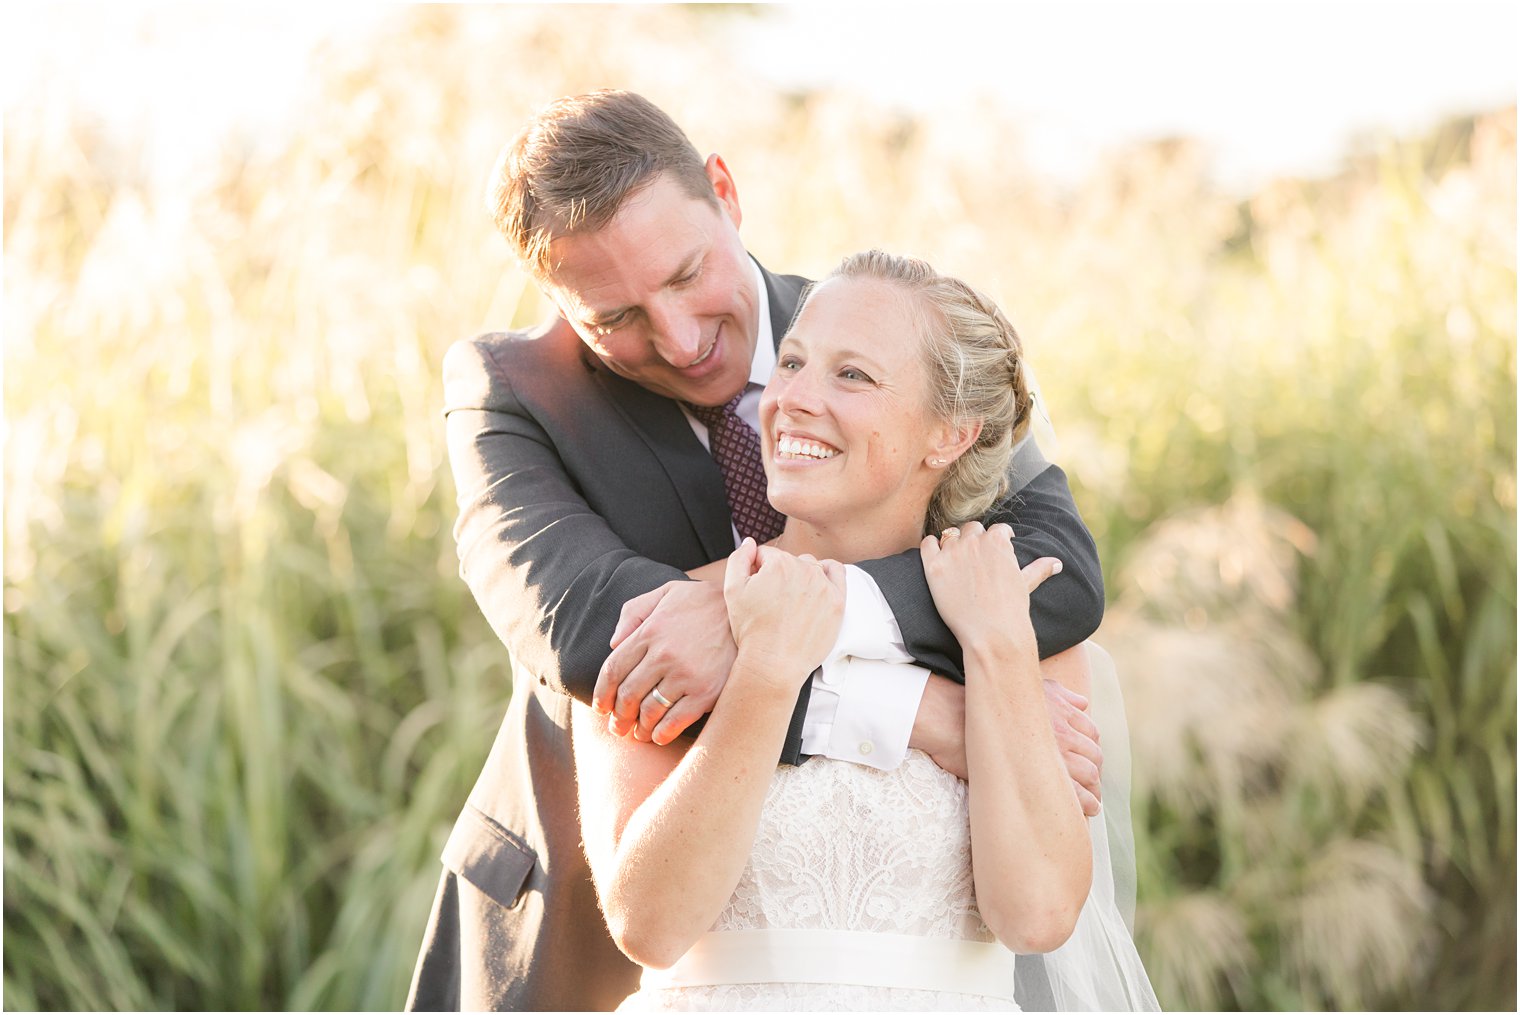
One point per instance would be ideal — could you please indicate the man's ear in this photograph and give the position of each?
(951, 442)
(723, 186)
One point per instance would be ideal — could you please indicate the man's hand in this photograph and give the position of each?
(675, 638)
(1077, 736)
(939, 729)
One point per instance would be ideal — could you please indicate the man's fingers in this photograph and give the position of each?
(615, 670)
(680, 715)
(651, 711)
(635, 612)
(1075, 698)
(1086, 777)
(1084, 773)
(1079, 742)
(633, 690)
(1082, 723)
(1091, 807)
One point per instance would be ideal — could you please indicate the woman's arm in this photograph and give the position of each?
(1065, 612)
(1027, 827)
(667, 830)
(667, 834)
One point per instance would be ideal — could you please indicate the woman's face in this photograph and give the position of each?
(846, 427)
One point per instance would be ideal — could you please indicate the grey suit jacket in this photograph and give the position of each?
(579, 490)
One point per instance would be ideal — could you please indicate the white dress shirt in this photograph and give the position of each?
(863, 704)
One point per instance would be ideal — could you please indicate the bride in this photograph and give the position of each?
(898, 396)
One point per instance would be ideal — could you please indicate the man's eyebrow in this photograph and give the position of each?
(598, 318)
(687, 265)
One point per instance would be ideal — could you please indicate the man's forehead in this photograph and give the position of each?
(600, 279)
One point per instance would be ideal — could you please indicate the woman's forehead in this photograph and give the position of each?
(867, 314)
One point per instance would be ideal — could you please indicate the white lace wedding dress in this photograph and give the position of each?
(857, 896)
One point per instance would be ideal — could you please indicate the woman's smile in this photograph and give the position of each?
(801, 448)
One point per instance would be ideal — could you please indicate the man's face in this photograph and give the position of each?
(664, 294)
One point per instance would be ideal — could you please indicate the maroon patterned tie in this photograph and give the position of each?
(736, 448)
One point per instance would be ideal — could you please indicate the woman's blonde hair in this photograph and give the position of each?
(976, 373)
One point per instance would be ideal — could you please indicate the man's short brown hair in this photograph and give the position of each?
(576, 162)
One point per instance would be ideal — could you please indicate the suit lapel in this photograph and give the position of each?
(784, 292)
(691, 470)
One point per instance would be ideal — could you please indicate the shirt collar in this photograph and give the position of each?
(764, 362)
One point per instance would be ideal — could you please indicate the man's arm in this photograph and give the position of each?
(1065, 610)
(547, 571)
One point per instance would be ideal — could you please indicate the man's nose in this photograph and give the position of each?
(676, 333)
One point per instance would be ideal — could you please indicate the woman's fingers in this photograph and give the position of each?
(929, 548)
(1038, 570)
(834, 571)
(741, 564)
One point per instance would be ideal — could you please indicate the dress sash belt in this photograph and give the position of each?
(841, 956)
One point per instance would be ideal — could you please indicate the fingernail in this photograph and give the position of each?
(1056, 569)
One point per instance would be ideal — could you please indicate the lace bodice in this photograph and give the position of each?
(845, 847)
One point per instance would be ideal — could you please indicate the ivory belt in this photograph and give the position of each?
(841, 956)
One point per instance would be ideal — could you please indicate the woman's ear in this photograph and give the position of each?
(951, 442)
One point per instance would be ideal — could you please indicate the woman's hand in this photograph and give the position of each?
(784, 611)
(978, 586)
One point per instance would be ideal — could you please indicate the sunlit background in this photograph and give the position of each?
(1263, 256)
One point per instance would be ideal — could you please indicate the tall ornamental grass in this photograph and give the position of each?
(246, 692)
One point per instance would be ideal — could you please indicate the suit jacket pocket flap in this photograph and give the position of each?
(488, 856)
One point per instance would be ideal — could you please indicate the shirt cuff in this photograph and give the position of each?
(871, 716)
(874, 716)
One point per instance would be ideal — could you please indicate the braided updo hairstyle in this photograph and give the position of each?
(976, 372)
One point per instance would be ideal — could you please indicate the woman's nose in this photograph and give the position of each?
(800, 393)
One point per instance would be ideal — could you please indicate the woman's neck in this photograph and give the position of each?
(847, 543)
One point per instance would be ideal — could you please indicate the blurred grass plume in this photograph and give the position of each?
(246, 692)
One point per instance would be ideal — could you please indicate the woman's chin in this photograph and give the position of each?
(798, 505)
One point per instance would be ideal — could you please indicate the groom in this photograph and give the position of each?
(599, 457)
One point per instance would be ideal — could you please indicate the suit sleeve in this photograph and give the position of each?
(547, 571)
(1066, 609)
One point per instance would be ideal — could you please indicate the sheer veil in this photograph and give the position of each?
(1098, 968)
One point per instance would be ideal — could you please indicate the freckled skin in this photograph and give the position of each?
(851, 374)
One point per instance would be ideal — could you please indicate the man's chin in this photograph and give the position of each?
(713, 391)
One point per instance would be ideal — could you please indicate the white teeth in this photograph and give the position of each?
(804, 449)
